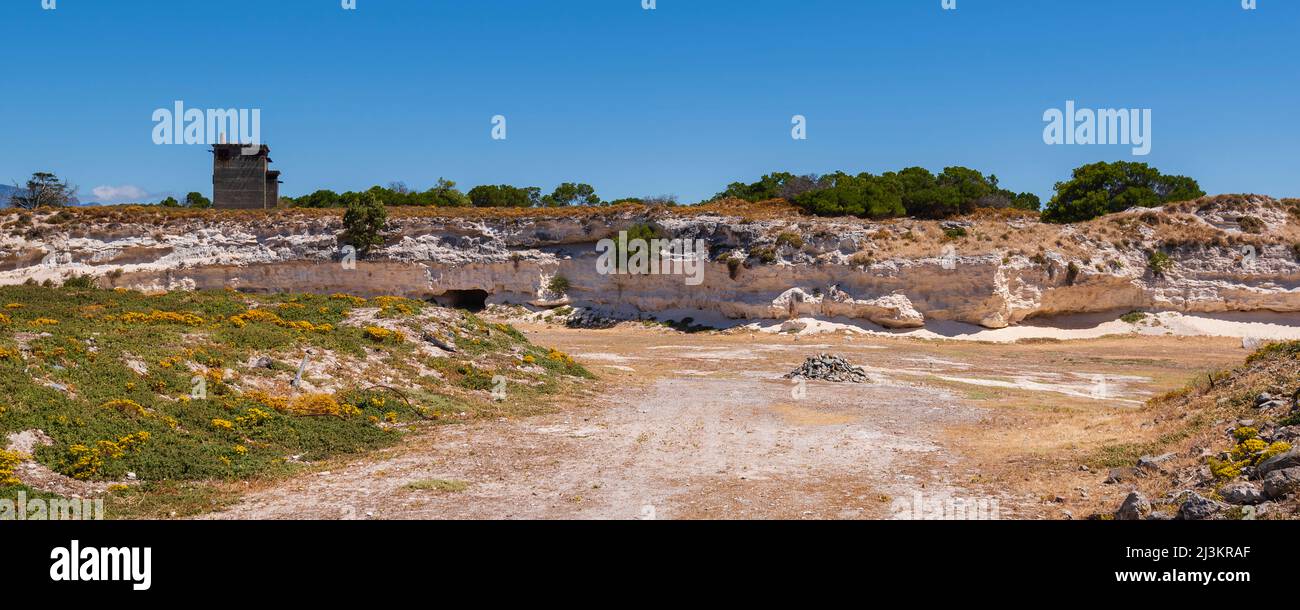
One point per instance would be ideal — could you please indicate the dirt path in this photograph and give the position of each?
(702, 426)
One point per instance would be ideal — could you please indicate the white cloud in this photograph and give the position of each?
(116, 194)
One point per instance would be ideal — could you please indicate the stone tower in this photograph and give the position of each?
(243, 181)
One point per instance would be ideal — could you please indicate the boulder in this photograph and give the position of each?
(1148, 462)
(1283, 461)
(1242, 493)
(1135, 507)
(1290, 434)
(1281, 483)
(1122, 475)
(1197, 507)
(891, 311)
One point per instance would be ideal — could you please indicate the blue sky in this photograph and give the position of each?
(679, 100)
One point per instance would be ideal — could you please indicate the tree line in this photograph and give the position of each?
(1092, 190)
(445, 194)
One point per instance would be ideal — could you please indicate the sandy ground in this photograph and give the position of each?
(685, 426)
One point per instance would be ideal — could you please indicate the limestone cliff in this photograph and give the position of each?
(1226, 253)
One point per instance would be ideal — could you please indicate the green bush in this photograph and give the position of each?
(558, 285)
(914, 191)
(1159, 263)
(444, 195)
(363, 223)
(794, 240)
(1104, 188)
(197, 201)
(80, 281)
(571, 194)
(1133, 317)
(864, 195)
(504, 196)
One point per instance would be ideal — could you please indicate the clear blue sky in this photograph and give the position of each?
(680, 100)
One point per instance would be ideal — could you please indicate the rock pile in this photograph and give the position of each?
(826, 367)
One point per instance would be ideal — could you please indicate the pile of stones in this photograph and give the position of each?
(825, 367)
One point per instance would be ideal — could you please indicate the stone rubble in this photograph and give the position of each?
(825, 367)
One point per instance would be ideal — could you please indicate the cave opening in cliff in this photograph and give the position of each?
(472, 300)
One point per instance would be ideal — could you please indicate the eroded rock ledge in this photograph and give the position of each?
(994, 269)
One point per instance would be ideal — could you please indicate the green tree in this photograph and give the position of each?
(504, 196)
(44, 189)
(197, 201)
(363, 222)
(771, 186)
(863, 195)
(170, 202)
(445, 195)
(571, 194)
(1105, 188)
(958, 190)
(320, 199)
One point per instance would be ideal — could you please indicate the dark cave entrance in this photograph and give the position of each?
(472, 300)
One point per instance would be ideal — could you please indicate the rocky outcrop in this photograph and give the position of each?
(890, 311)
(897, 274)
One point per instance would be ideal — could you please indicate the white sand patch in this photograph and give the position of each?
(697, 352)
(931, 361)
(1106, 391)
(603, 357)
(1254, 325)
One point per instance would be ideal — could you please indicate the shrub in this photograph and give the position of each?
(504, 196)
(558, 285)
(863, 195)
(1104, 188)
(363, 222)
(643, 232)
(8, 461)
(952, 233)
(1133, 317)
(734, 263)
(1159, 263)
(794, 240)
(1072, 272)
(571, 194)
(1250, 224)
(80, 281)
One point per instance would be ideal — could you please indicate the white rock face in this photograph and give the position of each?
(1034, 270)
(891, 311)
